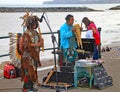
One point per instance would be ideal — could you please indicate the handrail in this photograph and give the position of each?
(3, 37)
(45, 33)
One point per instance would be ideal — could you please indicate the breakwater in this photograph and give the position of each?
(46, 9)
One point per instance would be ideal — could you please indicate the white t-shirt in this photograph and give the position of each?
(89, 34)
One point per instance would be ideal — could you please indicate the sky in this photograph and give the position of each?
(22, 1)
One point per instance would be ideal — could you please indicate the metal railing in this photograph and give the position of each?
(7, 37)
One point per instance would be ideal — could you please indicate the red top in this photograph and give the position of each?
(96, 35)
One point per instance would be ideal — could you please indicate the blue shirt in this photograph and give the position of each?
(65, 35)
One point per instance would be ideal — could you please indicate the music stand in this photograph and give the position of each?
(53, 42)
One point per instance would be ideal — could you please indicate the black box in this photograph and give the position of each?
(88, 44)
(88, 48)
(66, 68)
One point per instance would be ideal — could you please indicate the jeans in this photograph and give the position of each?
(96, 53)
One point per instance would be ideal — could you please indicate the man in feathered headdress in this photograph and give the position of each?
(30, 44)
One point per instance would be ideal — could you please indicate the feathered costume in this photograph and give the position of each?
(14, 51)
(28, 56)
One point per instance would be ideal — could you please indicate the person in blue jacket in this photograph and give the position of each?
(67, 39)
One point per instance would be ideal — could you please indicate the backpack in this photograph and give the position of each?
(9, 71)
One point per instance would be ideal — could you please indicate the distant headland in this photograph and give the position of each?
(115, 8)
(81, 1)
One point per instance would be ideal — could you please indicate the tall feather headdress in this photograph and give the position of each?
(15, 54)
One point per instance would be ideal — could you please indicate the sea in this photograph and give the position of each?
(107, 20)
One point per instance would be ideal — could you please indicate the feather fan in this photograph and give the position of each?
(15, 54)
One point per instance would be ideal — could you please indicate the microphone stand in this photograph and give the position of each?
(53, 41)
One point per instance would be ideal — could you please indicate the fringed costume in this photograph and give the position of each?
(30, 54)
(30, 58)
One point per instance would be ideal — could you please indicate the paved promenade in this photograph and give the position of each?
(112, 66)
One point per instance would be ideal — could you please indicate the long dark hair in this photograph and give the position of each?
(86, 21)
